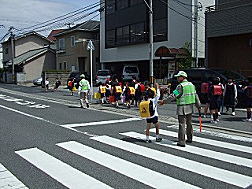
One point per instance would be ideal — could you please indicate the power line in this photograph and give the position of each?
(65, 15)
(187, 17)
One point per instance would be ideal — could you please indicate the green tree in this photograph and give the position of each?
(187, 60)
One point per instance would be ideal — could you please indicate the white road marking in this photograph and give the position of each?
(100, 122)
(60, 171)
(137, 172)
(198, 151)
(221, 144)
(8, 180)
(183, 163)
(23, 102)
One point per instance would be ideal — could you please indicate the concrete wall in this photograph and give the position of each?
(179, 32)
(33, 69)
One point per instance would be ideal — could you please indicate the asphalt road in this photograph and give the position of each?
(48, 141)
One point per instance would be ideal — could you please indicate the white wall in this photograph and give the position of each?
(201, 28)
(179, 32)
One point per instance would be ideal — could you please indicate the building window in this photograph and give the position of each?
(60, 66)
(250, 43)
(122, 35)
(138, 33)
(122, 4)
(110, 38)
(110, 6)
(61, 44)
(72, 41)
(6, 51)
(65, 65)
(160, 30)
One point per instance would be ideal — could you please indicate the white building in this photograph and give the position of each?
(125, 28)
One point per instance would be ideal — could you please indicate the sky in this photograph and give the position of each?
(24, 13)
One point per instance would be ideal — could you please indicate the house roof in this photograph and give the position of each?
(28, 34)
(53, 33)
(90, 25)
(23, 58)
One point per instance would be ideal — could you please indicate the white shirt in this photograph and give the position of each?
(155, 103)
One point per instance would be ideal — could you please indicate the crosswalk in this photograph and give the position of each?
(229, 166)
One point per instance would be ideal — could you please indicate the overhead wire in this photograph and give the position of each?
(187, 17)
(70, 13)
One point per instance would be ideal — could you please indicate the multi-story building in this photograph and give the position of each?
(125, 34)
(72, 53)
(229, 35)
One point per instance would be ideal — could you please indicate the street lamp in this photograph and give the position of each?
(151, 38)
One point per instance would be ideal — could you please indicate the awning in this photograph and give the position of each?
(171, 52)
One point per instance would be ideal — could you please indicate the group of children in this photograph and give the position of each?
(129, 93)
(216, 96)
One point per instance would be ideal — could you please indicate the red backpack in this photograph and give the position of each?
(204, 88)
(142, 87)
(217, 90)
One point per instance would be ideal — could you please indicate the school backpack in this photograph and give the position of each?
(70, 83)
(204, 88)
(142, 87)
(217, 90)
(146, 109)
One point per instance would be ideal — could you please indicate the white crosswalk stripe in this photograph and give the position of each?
(193, 166)
(8, 180)
(209, 141)
(124, 167)
(60, 171)
(199, 151)
(74, 178)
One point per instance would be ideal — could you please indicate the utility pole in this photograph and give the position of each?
(150, 6)
(196, 33)
(12, 53)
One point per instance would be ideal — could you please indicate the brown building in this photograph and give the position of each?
(229, 36)
(72, 53)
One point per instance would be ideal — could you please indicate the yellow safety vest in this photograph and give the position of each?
(103, 89)
(132, 90)
(118, 89)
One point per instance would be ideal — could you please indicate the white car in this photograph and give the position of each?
(130, 71)
(37, 81)
(102, 76)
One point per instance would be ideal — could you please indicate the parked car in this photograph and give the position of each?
(199, 75)
(76, 75)
(130, 71)
(102, 76)
(37, 81)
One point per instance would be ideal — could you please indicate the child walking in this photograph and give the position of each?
(153, 119)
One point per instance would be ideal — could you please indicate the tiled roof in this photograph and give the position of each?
(90, 25)
(29, 55)
(53, 33)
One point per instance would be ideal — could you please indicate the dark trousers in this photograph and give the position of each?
(185, 120)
